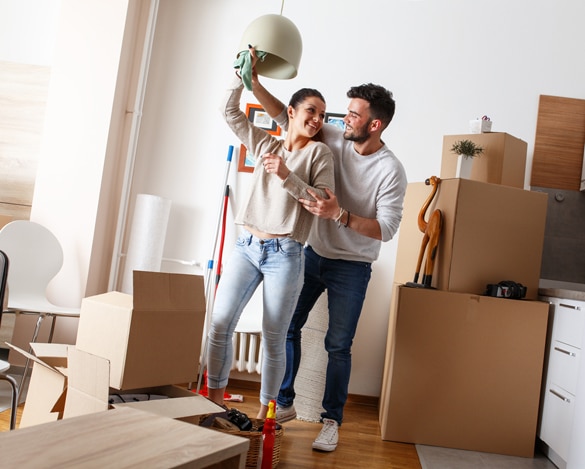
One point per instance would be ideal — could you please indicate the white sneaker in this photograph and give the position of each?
(328, 437)
(284, 414)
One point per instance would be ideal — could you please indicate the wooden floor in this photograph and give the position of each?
(360, 444)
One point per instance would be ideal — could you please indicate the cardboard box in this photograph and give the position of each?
(181, 404)
(490, 233)
(503, 160)
(464, 371)
(88, 384)
(47, 385)
(152, 338)
(67, 382)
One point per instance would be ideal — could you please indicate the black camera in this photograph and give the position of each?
(239, 419)
(506, 289)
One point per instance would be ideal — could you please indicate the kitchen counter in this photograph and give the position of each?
(557, 289)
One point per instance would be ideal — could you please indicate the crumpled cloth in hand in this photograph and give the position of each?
(244, 63)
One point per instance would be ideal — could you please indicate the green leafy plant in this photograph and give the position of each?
(467, 148)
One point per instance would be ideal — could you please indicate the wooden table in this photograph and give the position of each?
(121, 438)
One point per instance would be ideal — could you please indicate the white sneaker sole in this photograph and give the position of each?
(323, 447)
(286, 418)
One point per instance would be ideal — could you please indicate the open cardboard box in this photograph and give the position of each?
(182, 404)
(48, 382)
(124, 342)
(67, 382)
(152, 338)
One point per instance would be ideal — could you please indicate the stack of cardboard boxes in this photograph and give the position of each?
(144, 344)
(463, 370)
(137, 349)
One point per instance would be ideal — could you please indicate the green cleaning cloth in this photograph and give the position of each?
(244, 63)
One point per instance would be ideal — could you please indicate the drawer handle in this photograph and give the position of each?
(559, 395)
(566, 352)
(576, 308)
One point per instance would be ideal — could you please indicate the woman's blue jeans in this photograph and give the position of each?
(278, 264)
(346, 283)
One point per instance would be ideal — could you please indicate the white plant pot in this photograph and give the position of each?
(464, 165)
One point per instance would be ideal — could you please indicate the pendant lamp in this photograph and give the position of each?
(281, 40)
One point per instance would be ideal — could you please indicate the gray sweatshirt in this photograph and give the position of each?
(371, 186)
(272, 205)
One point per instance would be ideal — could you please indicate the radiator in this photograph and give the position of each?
(247, 352)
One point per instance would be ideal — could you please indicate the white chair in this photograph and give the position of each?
(4, 365)
(35, 257)
(14, 398)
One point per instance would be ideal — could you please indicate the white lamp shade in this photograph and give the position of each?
(281, 40)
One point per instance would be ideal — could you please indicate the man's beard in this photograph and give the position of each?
(357, 135)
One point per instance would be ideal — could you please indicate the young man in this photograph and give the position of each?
(365, 210)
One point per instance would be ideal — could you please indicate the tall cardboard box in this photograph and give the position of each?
(490, 233)
(152, 338)
(464, 371)
(503, 160)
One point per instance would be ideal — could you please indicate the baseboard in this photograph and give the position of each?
(551, 454)
(352, 398)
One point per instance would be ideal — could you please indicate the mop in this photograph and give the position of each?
(211, 287)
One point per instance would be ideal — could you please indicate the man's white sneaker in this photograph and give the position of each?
(328, 436)
(284, 414)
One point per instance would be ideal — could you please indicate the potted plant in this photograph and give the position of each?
(467, 150)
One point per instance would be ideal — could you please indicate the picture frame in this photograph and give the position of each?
(260, 118)
(335, 119)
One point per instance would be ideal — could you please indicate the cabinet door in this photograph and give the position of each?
(558, 148)
(557, 419)
(563, 367)
(569, 322)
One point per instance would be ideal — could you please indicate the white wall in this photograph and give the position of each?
(27, 30)
(446, 61)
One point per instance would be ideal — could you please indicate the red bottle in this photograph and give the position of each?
(269, 435)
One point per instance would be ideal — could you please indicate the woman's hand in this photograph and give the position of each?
(274, 164)
(254, 62)
(253, 55)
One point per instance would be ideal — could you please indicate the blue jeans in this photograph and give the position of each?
(346, 283)
(278, 263)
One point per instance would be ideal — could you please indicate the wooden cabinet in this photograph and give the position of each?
(23, 94)
(560, 391)
(558, 146)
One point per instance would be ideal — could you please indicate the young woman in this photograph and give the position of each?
(275, 226)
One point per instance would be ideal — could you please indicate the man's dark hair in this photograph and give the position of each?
(382, 104)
